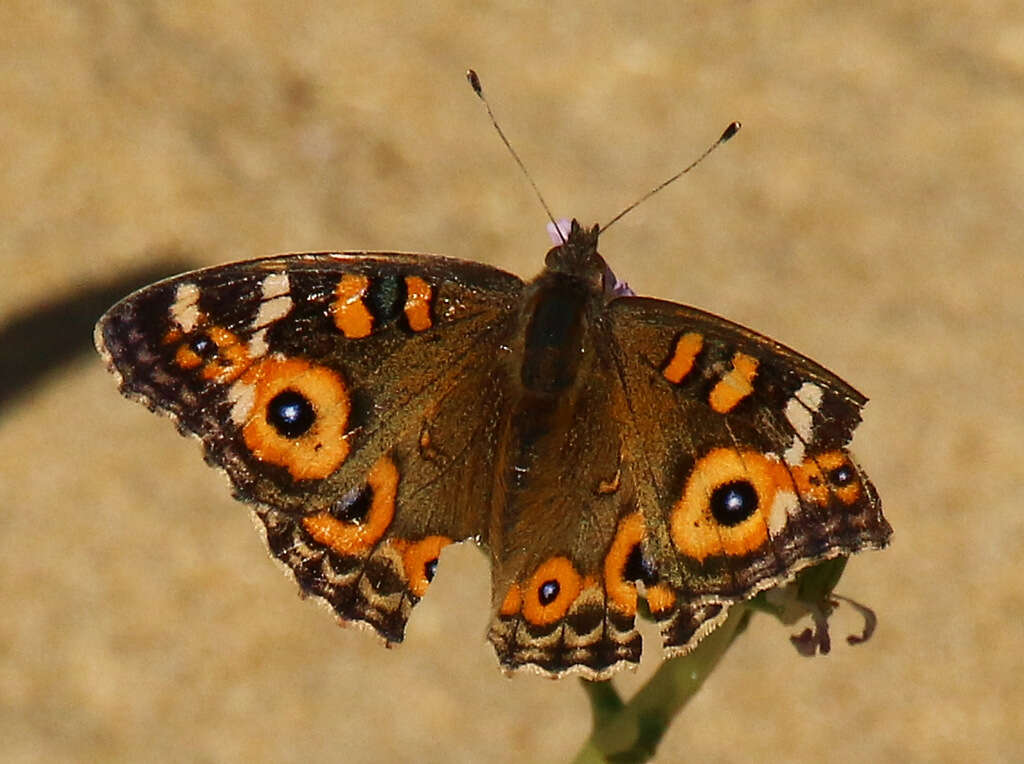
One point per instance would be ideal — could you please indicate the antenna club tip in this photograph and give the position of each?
(730, 131)
(474, 82)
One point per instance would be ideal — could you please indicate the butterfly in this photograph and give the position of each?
(613, 454)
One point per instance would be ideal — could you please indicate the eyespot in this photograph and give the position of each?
(551, 590)
(625, 564)
(733, 502)
(294, 414)
(826, 475)
(639, 567)
(202, 346)
(420, 561)
(729, 504)
(290, 413)
(216, 352)
(841, 475)
(354, 538)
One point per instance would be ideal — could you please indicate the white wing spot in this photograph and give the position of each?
(275, 285)
(810, 395)
(276, 302)
(783, 507)
(800, 418)
(243, 398)
(258, 346)
(800, 410)
(795, 453)
(185, 310)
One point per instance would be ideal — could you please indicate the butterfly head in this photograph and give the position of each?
(577, 254)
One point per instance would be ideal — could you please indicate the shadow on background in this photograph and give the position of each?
(36, 342)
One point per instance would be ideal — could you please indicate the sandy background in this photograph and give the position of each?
(869, 214)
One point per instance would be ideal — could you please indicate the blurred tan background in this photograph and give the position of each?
(869, 214)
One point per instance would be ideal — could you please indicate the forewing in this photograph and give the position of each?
(333, 390)
(739, 448)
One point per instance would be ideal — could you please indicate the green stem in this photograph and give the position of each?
(630, 732)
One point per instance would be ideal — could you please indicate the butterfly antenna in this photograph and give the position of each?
(474, 82)
(729, 132)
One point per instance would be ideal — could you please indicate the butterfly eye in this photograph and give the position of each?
(291, 414)
(355, 524)
(733, 502)
(215, 353)
(827, 476)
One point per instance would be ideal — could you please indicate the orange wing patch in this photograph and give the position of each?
(217, 352)
(622, 593)
(419, 295)
(736, 385)
(513, 601)
(828, 474)
(684, 355)
(420, 559)
(351, 315)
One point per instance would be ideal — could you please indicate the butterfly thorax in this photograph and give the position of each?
(561, 302)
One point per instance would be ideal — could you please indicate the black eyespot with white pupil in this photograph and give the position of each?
(290, 413)
(203, 346)
(354, 507)
(430, 569)
(841, 475)
(548, 592)
(733, 502)
(639, 567)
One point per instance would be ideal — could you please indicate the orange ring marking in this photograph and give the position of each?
(513, 601)
(324, 446)
(813, 484)
(660, 598)
(622, 593)
(694, 530)
(232, 356)
(355, 539)
(415, 558)
(560, 570)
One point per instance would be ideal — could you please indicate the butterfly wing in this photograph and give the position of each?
(334, 390)
(738, 446)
